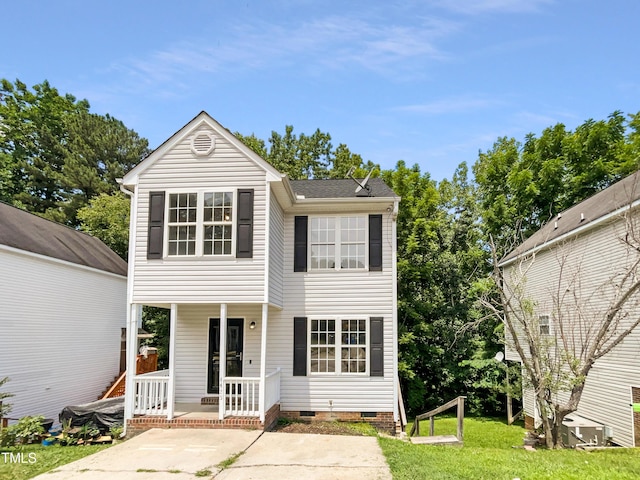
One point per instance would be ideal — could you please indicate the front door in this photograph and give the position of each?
(235, 327)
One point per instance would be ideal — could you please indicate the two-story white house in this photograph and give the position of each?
(282, 294)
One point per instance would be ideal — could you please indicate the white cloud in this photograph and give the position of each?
(474, 7)
(451, 105)
(330, 43)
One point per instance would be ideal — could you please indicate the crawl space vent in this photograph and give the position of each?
(203, 144)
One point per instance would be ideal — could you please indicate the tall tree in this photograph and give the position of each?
(521, 186)
(107, 218)
(33, 136)
(55, 155)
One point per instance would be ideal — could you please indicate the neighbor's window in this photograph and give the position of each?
(323, 350)
(338, 242)
(182, 223)
(200, 224)
(544, 323)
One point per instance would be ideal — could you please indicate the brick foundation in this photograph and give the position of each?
(382, 421)
(140, 424)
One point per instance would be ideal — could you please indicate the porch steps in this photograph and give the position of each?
(437, 440)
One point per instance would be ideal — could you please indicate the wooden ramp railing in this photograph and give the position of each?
(456, 402)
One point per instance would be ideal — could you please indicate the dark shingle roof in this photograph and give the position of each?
(25, 231)
(340, 188)
(609, 200)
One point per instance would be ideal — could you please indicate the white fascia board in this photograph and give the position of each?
(573, 233)
(59, 261)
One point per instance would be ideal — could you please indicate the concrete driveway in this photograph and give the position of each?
(180, 454)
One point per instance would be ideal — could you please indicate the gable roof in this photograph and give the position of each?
(203, 117)
(582, 216)
(340, 188)
(25, 231)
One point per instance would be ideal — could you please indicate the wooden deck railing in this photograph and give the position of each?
(456, 402)
(143, 365)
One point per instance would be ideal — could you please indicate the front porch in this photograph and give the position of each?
(194, 393)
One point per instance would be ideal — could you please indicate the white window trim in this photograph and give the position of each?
(338, 346)
(338, 244)
(200, 222)
(547, 317)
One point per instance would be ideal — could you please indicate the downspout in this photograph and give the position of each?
(394, 263)
(132, 310)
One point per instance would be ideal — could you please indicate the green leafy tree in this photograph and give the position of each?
(522, 186)
(55, 155)
(107, 218)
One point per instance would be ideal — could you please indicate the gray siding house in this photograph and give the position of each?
(282, 294)
(62, 310)
(580, 254)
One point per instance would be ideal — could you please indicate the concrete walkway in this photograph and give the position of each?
(180, 454)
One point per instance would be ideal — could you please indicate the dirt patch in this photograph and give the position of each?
(324, 428)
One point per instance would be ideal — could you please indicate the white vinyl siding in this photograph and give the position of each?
(276, 252)
(192, 346)
(201, 279)
(333, 294)
(599, 254)
(60, 330)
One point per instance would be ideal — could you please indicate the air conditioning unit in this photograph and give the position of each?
(580, 431)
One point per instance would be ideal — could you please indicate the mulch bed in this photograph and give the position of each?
(324, 428)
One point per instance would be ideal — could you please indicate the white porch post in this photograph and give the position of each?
(132, 351)
(173, 320)
(223, 359)
(263, 360)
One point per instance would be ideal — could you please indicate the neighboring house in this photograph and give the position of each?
(296, 278)
(62, 307)
(586, 241)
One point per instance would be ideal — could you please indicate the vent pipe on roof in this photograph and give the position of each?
(582, 217)
(555, 225)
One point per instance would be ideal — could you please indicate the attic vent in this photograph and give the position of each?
(203, 144)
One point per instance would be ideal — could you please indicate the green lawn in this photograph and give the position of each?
(488, 453)
(32, 460)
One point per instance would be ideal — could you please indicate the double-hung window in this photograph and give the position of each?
(183, 208)
(338, 346)
(338, 243)
(544, 323)
(200, 223)
(218, 223)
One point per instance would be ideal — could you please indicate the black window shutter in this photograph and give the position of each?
(375, 243)
(300, 346)
(244, 242)
(156, 225)
(376, 337)
(300, 244)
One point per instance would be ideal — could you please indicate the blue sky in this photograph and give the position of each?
(429, 82)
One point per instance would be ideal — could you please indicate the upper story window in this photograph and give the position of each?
(218, 223)
(337, 242)
(544, 323)
(200, 222)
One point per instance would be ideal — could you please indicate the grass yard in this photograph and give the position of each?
(32, 460)
(488, 453)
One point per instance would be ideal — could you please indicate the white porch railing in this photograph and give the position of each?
(241, 396)
(271, 390)
(151, 393)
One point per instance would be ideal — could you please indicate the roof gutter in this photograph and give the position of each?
(572, 233)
